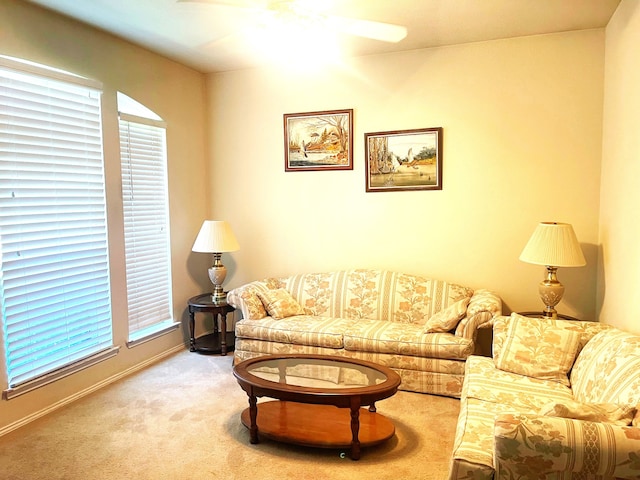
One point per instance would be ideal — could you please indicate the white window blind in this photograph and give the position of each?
(146, 225)
(54, 276)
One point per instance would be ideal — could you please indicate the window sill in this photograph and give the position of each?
(48, 378)
(151, 333)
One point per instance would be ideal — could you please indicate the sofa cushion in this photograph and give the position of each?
(301, 330)
(447, 319)
(405, 339)
(591, 412)
(486, 393)
(517, 392)
(279, 303)
(537, 348)
(474, 441)
(608, 369)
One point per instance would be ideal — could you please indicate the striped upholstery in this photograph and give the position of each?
(405, 339)
(300, 330)
(436, 376)
(487, 392)
(501, 433)
(249, 348)
(588, 450)
(367, 294)
(375, 315)
(608, 370)
(489, 384)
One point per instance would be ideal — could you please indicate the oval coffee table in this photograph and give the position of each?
(308, 388)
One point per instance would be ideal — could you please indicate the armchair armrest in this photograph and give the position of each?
(536, 446)
(483, 307)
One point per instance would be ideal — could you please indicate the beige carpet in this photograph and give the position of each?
(180, 419)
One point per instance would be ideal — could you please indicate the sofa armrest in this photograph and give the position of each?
(535, 446)
(484, 306)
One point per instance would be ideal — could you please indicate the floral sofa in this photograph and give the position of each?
(558, 400)
(424, 329)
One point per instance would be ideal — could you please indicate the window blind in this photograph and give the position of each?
(146, 224)
(54, 276)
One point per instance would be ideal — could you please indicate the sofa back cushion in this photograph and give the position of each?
(536, 348)
(607, 369)
(373, 295)
(585, 330)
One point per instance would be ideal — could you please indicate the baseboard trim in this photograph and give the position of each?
(78, 395)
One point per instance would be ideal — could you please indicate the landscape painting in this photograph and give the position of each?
(404, 160)
(318, 141)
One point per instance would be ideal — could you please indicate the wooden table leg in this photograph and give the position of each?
(223, 333)
(192, 333)
(355, 428)
(253, 415)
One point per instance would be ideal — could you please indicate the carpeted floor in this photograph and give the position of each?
(180, 419)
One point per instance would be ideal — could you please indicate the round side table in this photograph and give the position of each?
(541, 315)
(220, 341)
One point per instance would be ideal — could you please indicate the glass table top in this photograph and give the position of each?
(316, 373)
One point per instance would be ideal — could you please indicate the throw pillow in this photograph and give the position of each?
(280, 304)
(253, 308)
(591, 412)
(447, 319)
(537, 348)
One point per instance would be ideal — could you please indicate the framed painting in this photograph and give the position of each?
(318, 141)
(404, 160)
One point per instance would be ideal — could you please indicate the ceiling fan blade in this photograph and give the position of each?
(230, 3)
(386, 32)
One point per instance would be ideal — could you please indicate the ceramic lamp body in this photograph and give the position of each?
(217, 274)
(551, 292)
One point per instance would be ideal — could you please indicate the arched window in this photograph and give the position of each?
(146, 220)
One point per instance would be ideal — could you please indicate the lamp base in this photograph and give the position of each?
(219, 297)
(217, 274)
(551, 292)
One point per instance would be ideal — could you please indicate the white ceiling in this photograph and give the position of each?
(206, 36)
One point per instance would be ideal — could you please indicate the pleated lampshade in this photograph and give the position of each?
(553, 244)
(215, 236)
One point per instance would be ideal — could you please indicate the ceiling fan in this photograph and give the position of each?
(313, 11)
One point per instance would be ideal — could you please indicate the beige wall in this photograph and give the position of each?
(174, 92)
(522, 144)
(522, 122)
(619, 275)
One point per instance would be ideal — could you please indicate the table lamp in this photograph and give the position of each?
(553, 245)
(216, 237)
